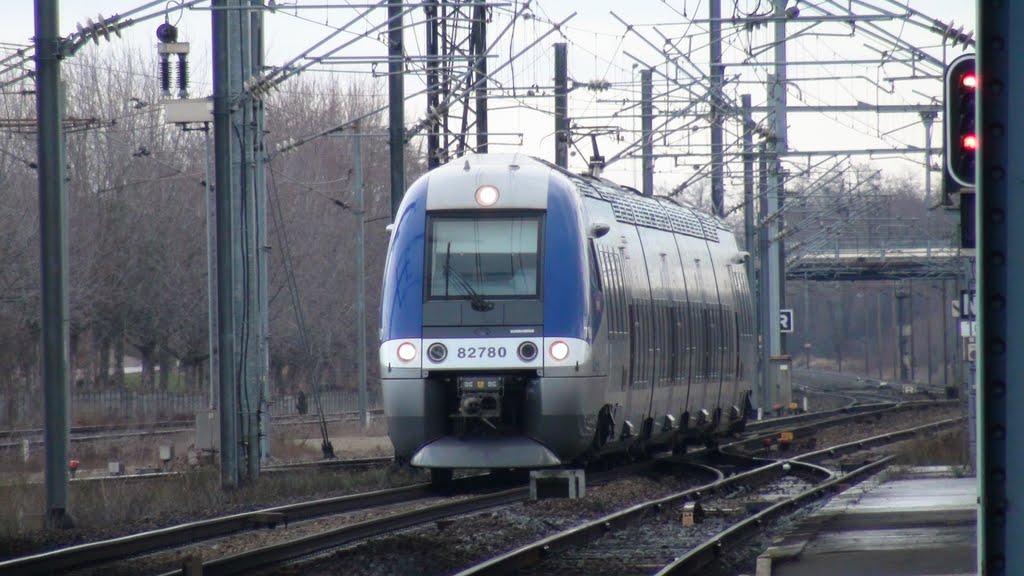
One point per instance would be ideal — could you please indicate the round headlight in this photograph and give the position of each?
(437, 352)
(527, 351)
(486, 195)
(406, 351)
(559, 350)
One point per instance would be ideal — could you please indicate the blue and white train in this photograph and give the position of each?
(534, 318)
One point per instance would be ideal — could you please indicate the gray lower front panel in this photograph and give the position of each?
(415, 413)
(485, 452)
(557, 425)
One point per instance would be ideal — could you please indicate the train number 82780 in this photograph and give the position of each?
(482, 352)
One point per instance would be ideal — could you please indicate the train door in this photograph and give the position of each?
(701, 337)
(678, 328)
(744, 336)
(641, 335)
(717, 333)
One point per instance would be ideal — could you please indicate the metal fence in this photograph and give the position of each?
(92, 408)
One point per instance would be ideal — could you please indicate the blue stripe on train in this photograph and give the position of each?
(565, 266)
(402, 300)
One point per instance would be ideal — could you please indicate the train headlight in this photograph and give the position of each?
(486, 195)
(559, 350)
(437, 352)
(527, 351)
(406, 351)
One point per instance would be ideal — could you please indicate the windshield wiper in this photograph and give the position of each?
(476, 300)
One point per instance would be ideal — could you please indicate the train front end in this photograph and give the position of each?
(484, 325)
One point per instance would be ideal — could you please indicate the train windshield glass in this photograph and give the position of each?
(477, 257)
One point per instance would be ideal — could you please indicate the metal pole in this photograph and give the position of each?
(894, 318)
(967, 372)
(53, 258)
(902, 334)
(211, 271)
(717, 160)
(396, 104)
(750, 242)
(1000, 281)
(910, 325)
(561, 106)
(928, 331)
(748, 185)
(357, 159)
(261, 248)
(945, 334)
(928, 118)
(764, 322)
(863, 300)
(222, 143)
(248, 309)
(780, 222)
(878, 328)
(806, 325)
(647, 129)
(777, 144)
(433, 94)
(480, 48)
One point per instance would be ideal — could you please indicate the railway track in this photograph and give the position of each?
(14, 439)
(548, 555)
(316, 466)
(100, 553)
(104, 552)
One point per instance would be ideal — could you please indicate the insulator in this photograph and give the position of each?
(182, 76)
(165, 75)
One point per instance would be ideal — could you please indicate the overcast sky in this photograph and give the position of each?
(600, 48)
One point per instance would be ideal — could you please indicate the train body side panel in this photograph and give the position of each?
(722, 254)
(638, 290)
(698, 299)
(659, 254)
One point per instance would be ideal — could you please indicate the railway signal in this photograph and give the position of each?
(961, 142)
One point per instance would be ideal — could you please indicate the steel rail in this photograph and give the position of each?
(849, 412)
(535, 552)
(696, 559)
(31, 432)
(287, 420)
(328, 465)
(277, 554)
(880, 440)
(317, 466)
(699, 557)
(808, 416)
(102, 552)
(96, 553)
(754, 441)
(245, 562)
(137, 430)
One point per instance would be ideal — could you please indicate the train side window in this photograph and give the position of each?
(673, 342)
(612, 293)
(595, 276)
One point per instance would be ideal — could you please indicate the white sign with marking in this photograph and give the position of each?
(967, 309)
(785, 321)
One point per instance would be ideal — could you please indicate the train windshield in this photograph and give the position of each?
(484, 257)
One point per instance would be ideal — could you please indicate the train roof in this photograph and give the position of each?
(628, 204)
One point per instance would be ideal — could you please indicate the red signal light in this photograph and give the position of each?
(969, 81)
(970, 142)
